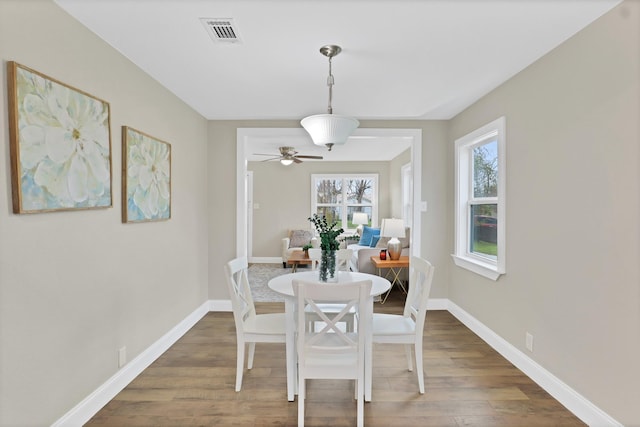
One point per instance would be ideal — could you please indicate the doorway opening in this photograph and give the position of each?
(247, 138)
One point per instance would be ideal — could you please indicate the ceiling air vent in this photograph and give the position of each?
(221, 29)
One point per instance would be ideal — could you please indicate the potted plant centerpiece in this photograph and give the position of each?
(329, 245)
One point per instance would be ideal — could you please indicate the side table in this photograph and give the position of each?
(394, 267)
(296, 258)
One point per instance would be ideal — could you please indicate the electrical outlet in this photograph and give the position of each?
(529, 341)
(122, 357)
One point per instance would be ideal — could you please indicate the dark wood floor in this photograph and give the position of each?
(467, 384)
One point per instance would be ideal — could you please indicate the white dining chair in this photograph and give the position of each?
(314, 255)
(408, 327)
(251, 328)
(331, 353)
(343, 256)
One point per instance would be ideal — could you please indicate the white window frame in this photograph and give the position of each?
(485, 266)
(344, 205)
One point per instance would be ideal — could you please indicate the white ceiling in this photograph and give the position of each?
(401, 59)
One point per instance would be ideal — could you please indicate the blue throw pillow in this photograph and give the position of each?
(367, 235)
(374, 241)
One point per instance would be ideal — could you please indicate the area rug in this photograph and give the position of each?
(259, 275)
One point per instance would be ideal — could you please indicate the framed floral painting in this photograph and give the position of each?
(146, 177)
(60, 144)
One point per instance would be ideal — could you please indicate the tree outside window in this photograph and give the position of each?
(337, 197)
(482, 204)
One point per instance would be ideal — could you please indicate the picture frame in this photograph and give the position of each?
(146, 177)
(60, 144)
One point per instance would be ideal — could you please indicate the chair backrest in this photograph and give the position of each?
(343, 257)
(419, 288)
(331, 339)
(239, 291)
(314, 255)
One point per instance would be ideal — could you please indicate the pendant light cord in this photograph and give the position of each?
(330, 83)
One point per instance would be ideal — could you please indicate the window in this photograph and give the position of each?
(337, 197)
(480, 200)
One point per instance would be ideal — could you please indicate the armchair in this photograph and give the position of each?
(294, 241)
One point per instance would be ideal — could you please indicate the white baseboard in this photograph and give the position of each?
(265, 260)
(90, 406)
(571, 399)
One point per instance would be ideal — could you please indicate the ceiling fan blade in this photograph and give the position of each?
(296, 159)
(260, 154)
(268, 160)
(310, 157)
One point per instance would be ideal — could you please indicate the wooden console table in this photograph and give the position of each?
(394, 267)
(298, 257)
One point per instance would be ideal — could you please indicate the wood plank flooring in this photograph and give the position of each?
(467, 384)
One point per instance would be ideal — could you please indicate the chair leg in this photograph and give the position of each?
(252, 350)
(350, 323)
(239, 365)
(419, 367)
(407, 350)
(301, 392)
(360, 403)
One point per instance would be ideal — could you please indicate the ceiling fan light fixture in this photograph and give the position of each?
(329, 129)
(289, 155)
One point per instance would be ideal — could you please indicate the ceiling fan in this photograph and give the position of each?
(287, 156)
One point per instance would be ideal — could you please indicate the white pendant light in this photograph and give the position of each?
(329, 129)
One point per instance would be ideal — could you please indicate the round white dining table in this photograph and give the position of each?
(283, 285)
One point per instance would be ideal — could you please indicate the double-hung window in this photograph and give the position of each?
(480, 200)
(338, 196)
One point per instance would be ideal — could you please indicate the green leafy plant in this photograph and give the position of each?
(327, 232)
(307, 247)
(349, 238)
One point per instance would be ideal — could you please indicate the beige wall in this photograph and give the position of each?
(573, 193)
(77, 286)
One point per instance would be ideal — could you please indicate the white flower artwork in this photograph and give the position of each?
(147, 177)
(60, 145)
